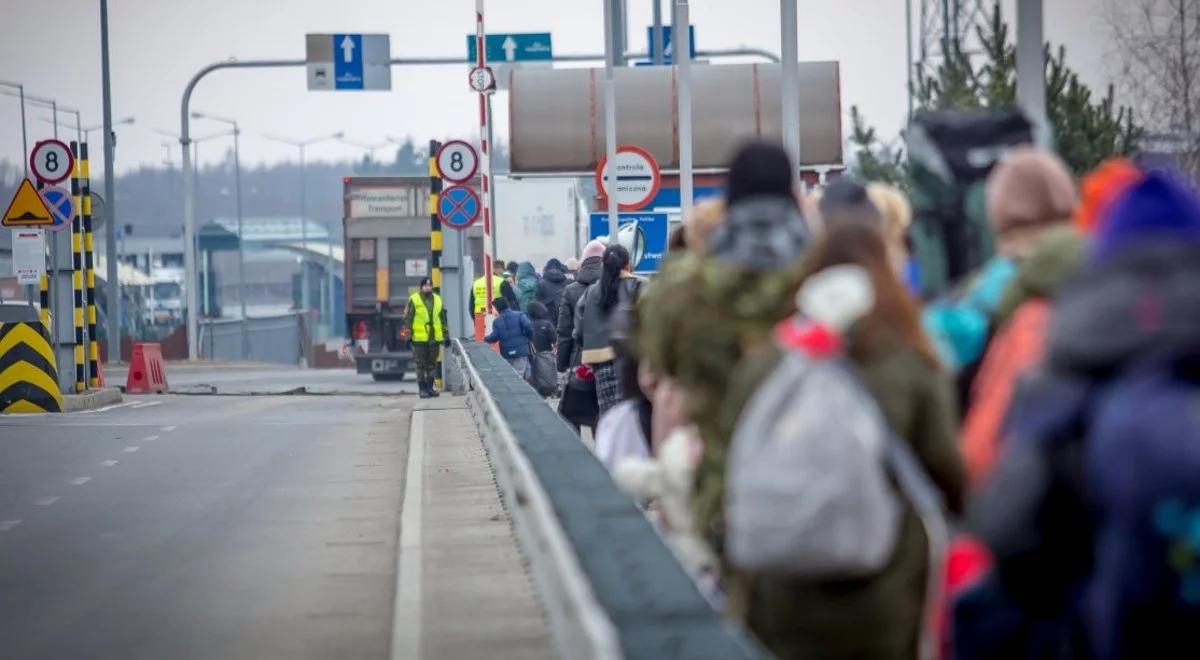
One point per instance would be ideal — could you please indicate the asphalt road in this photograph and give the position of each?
(202, 527)
(257, 378)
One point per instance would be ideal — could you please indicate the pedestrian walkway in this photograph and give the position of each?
(463, 589)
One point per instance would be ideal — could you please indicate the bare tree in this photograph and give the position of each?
(1156, 50)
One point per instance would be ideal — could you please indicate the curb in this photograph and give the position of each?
(91, 400)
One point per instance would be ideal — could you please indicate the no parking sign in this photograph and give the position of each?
(458, 207)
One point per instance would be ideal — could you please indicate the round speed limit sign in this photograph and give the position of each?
(51, 161)
(457, 161)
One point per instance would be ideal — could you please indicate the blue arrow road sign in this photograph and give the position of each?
(518, 47)
(643, 234)
(347, 61)
(61, 205)
(668, 49)
(458, 207)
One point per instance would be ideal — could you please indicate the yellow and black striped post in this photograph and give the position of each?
(77, 270)
(89, 264)
(28, 377)
(44, 312)
(435, 237)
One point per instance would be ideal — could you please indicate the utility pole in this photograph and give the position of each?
(681, 40)
(1031, 67)
(110, 196)
(656, 35)
(610, 118)
(790, 85)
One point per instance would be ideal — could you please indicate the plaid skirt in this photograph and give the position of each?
(608, 385)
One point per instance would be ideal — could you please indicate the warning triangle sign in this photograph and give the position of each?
(27, 209)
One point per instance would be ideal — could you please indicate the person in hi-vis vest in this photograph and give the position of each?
(425, 321)
(479, 293)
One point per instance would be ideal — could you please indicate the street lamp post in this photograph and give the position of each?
(24, 137)
(302, 145)
(241, 252)
(87, 130)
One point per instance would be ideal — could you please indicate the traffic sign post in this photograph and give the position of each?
(457, 161)
(348, 62)
(458, 207)
(638, 178)
(27, 208)
(51, 161)
(61, 205)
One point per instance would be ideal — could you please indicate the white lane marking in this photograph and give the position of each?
(150, 438)
(46, 501)
(131, 449)
(146, 404)
(168, 429)
(79, 481)
(6, 525)
(406, 613)
(107, 408)
(108, 463)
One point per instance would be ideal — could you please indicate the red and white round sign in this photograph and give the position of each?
(456, 161)
(51, 161)
(637, 178)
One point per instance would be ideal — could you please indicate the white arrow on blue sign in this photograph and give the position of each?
(516, 47)
(348, 61)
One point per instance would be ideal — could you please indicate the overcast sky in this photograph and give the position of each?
(53, 47)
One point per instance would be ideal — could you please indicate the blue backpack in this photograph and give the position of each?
(1142, 469)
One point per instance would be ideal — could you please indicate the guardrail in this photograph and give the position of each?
(611, 586)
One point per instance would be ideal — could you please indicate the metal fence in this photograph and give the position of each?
(281, 338)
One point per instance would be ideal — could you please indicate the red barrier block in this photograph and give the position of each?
(147, 372)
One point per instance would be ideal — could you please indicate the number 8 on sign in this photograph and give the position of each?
(51, 161)
(457, 162)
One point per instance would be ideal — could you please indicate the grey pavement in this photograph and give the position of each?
(250, 527)
(257, 378)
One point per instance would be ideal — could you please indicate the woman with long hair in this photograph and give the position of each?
(803, 618)
(602, 318)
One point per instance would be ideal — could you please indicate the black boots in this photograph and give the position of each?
(428, 390)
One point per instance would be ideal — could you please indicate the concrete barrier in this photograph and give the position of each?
(611, 586)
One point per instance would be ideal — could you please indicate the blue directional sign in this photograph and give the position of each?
(668, 49)
(643, 234)
(517, 47)
(347, 61)
(61, 205)
(458, 207)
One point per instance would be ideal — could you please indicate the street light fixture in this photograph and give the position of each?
(87, 130)
(302, 145)
(237, 185)
(370, 149)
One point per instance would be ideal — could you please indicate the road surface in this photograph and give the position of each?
(256, 527)
(258, 378)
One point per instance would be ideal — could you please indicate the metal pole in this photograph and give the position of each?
(610, 121)
(491, 179)
(682, 41)
(656, 35)
(485, 152)
(330, 286)
(237, 185)
(54, 111)
(790, 84)
(24, 137)
(110, 183)
(1031, 67)
(304, 301)
(908, 41)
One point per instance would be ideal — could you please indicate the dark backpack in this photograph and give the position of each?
(1142, 467)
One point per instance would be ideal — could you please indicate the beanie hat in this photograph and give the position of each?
(593, 249)
(760, 169)
(1100, 188)
(1029, 186)
(1157, 207)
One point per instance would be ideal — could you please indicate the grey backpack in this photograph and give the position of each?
(810, 478)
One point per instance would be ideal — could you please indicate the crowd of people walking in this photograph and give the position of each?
(863, 470)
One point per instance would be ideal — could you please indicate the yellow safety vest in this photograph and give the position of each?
(421, 321)
(481, 292)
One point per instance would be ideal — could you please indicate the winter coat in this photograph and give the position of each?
(550, 289)
(1023, 319)
(1035, 510)
(594, 327)
(589, 272)
(527, 282)
(959, 324)
(543, 330)
(514, 332)
(830, 619)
